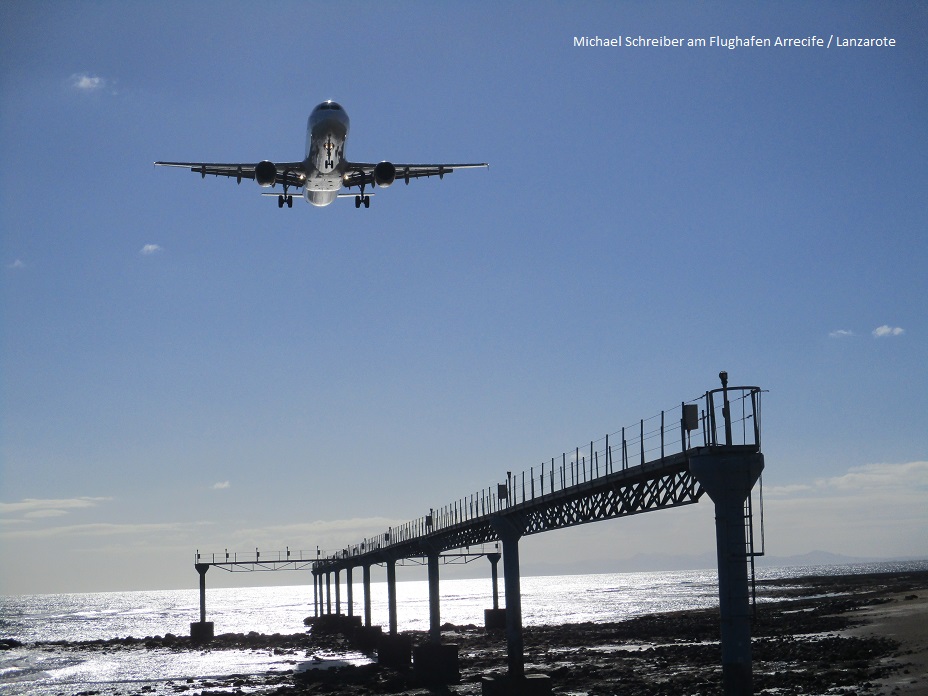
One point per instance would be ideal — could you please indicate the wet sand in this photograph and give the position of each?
(855, 634)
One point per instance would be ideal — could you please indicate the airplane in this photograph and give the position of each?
(324, 171)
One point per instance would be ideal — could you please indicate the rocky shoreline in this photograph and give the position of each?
(808, 638)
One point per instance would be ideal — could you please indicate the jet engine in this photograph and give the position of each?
(384, 174)
(265, 173)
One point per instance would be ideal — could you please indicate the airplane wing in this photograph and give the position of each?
(358, 173)
(289, 172)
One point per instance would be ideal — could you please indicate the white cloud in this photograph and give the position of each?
(778, 491)
(96, 530)
(903, 479)
(841, 333)
(875, 510)
(906, 477)
(42, 514)
(28, 510)
(886, 330)
(330, 535)
(149, 249)
(49, 507)
(221, 485)
(17, 264)
(87, 83)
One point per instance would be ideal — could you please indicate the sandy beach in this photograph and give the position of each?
(853, 634)
(904, 619)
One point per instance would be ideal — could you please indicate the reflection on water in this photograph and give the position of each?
(48, 670)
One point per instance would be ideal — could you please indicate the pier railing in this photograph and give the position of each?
(257, 556)
(722, 417)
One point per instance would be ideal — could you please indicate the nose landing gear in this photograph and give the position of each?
(329, 162)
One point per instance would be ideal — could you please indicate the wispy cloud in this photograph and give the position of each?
(328, 534)
(87, 83)
(841, 333)
(906, 478)
(871, 510)
(150, 249)
(48, 507)
(886, 330)
(221, 485)
(17, 265)
(99, 529)
(910, 476)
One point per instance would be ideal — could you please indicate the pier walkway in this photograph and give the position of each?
(711, 445)
(707, 446)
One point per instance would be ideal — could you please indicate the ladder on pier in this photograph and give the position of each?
(752, 551)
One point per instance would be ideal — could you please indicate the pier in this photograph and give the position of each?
(708, 446)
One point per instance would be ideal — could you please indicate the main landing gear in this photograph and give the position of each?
(358, 200)
(284, 199)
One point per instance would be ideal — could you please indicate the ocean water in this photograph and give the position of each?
(45, 670)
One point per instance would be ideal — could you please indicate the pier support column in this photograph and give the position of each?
(495, 618)
(393, 650)
(338, 592)
(435, 664)
(728, 475)
(328, 592)
(367, 594)
(350, 591)
(316, 593)
(494, 576)
(201, 569)
(509, 534)
(434, 599)
(202, 630)
(391, 593)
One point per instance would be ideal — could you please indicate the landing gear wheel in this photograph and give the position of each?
(357, 201)
(289, 201)
(280, 201)
(367, 201)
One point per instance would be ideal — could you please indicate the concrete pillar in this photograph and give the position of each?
(201, 569)
(728, 474)
(367, 594)
(494, 619)
(202, 631)
(434, 600)
(350, 591)
(316, 593)
(338, 593)
(494, 574)
(391, 593)
(509, 534)
(328, 592)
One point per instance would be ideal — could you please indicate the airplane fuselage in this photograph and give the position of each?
(326, 132)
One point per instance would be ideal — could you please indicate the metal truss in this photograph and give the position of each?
(657, 491)
(656, 485)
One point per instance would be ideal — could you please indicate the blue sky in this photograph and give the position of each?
(186, 366)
